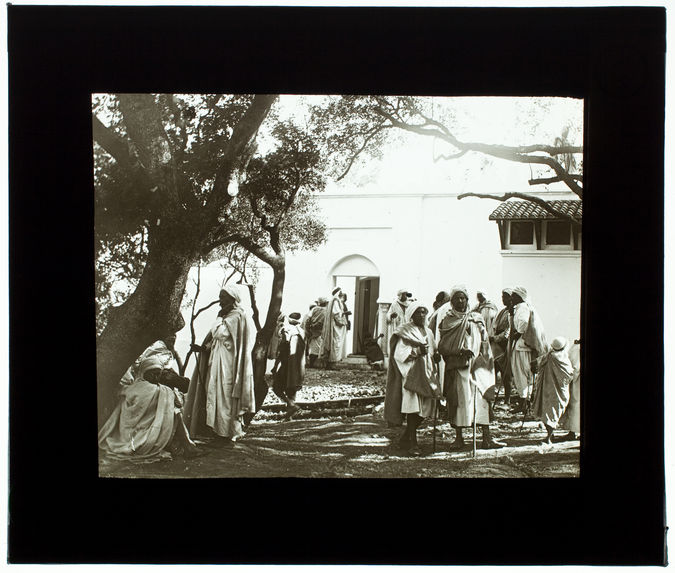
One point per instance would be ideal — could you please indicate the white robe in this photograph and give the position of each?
(221, 408)
(411, 402)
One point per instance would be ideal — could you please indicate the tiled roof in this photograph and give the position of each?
(527, 210)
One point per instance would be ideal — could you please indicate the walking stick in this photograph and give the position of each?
(526, 410)
(473, 455)
(434, 430)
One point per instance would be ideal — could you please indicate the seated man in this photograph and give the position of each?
(148, 419)
(163, 349)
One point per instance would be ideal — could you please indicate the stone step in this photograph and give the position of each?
(354, 359)
(352, 366)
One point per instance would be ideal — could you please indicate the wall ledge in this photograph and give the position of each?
(539, 254)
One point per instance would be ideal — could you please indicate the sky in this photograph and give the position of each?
(408, 160)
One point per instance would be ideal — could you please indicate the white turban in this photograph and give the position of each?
(459, 288)
(149, 363)
(234, 291)
(410, 310)
(521, 292)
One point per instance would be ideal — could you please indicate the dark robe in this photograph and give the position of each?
(291, 372)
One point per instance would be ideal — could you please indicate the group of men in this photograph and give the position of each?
(473, 350)
(452, 354)
(326, 326)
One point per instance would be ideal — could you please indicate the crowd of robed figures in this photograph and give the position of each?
(453, 355)
(459, 357)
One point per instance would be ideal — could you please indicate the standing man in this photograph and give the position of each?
(314, 329)
(347, 312)
(221, 390)
(463, 342)
(487, 309)
(334, 332)
(289, 367)
(529, 342)
(499, 341)
(396, 314)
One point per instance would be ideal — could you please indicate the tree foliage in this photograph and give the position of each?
(274, 189)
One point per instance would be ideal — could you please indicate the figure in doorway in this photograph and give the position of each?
(334, 332)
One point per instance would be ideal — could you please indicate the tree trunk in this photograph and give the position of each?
(151, 312)
(264, 335)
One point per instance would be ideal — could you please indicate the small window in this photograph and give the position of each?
(522, 233)
(558, 233)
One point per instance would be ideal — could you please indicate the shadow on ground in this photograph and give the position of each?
(364, 447)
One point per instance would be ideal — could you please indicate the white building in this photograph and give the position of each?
(395, 222)
(380, 242)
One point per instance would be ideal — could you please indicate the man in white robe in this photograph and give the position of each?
(334, 337)
(530, 342)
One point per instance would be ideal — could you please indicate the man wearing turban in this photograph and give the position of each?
(529, 341)
(412, 380)
(334, 332)
(314, 329)
(396, 314)
(289, 365)
(148, 417)
(469, 371)
(499, 341)
(221, 391)
(487, 309)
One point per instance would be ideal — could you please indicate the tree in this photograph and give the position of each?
(372, 117)
(171, 170)
(276, 216)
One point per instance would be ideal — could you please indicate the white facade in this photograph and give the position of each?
(423, 242)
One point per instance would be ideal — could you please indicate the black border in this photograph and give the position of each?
(60, 511)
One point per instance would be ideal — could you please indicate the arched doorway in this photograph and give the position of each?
(359, 277)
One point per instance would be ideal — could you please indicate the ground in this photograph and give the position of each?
(341, 433)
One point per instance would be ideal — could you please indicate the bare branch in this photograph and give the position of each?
(518, 153)
(514, 195)
(372, 133)
(547, 180)
(448, 157)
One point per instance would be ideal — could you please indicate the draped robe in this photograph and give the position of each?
(551, 393)
(457, 330)
(404, 361)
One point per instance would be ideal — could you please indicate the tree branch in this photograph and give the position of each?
(547, 180)
(112, 143)
(264, 223)
(372, 133)
(514, 195)
(258, 251)
(241, 136)
(448, 157)
(518, 154)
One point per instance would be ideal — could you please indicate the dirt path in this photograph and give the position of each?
(363, 446)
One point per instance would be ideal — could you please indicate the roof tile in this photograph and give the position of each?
(513, 209)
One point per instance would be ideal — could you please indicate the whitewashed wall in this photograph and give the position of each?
(553, 283)
(421, 242)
